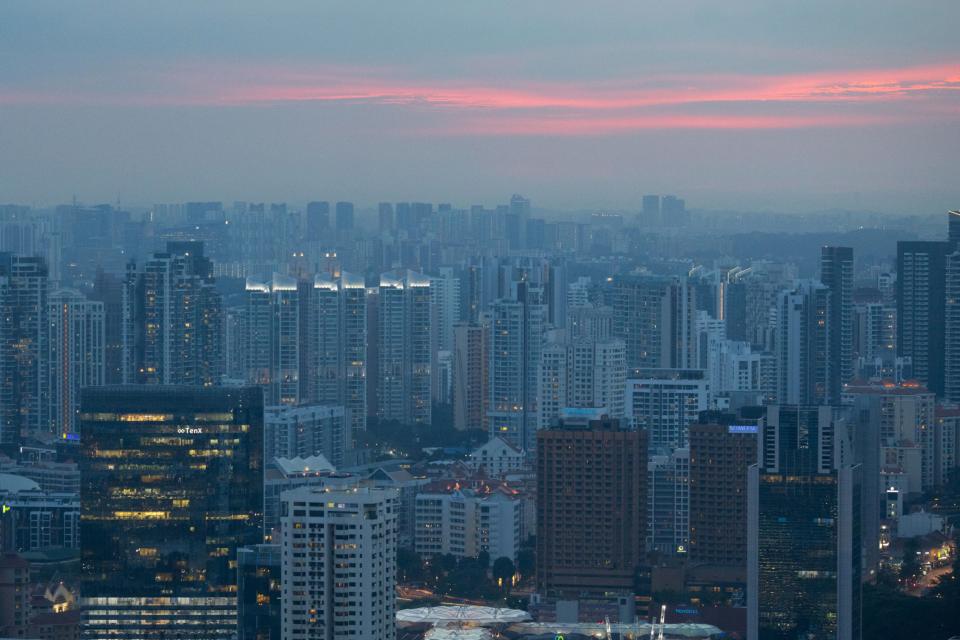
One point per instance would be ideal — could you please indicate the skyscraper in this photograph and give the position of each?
(664, 403)
(172, 487)
(951, 390)
(470, 375)
(23, 338)
(804, 544)
(668, 502)
(657, 319)
(803, 344)
(74, 358)
(404, 348)
(258, 592)
(581, 373)
(344, 216)
(172, 319)
(591, 505)
(722, 448)
(339, 563)
(921, 297)
(272, 338)
(318, 219)
(516, 334)
(337, 332)
(836, 273)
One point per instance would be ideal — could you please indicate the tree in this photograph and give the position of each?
(526, 562)
(910, 566)
(503, 571)
(409, 566)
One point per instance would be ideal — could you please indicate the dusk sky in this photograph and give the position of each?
(747, 104)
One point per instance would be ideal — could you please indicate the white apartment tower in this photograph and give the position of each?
(338, 567)
(405, 348)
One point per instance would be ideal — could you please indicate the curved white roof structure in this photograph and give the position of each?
(467, 615)
(15, 484)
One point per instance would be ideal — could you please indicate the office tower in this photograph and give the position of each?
(583, 373)
(465, 523)
(664, 403)
(172, 487)
(258, 592)
(656, 317)
(591, 505)
(668, 502)
(921, 296)
(516, 334)
(803, 345)
(75, 357)
(108, 290)
(404, 348)
(804, 538)
(953, 228)
(951, 392)
(24, 331)
(470, 376)
(722, 448)
(836, 274)
(337, 330)
(172, 326)
(318, 220)
(651, 211)
(272, 338)
(344, 216)
(339, 564)
(305, 430)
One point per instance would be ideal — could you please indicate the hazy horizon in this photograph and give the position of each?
(795, 108)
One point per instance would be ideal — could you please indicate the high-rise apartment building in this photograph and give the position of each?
(951, 391)
(668, 502)
(664, 403)
(804, 538)
(74, 358)
(836, 273)
(24, 332)
(470, 375)
(172, 483)
(657, 319)
(516, 335)
(404, 348)
(581, 373)
(339, 564)
(305, 430)
(591, 505)
(272, 338)
(336, 333)
(803, 345)
(172, 325)
(921, 312)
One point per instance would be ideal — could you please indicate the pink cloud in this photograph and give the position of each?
(476, 107)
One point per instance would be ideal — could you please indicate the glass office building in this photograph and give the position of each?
(172, 483)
